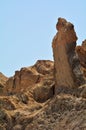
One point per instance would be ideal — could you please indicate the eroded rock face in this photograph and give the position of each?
(21, 80)
(44, 91)
(67, 67)
(27, 78)
(81, 50)
(26, 106)
(3, 80)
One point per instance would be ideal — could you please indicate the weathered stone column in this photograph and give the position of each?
(64, 44)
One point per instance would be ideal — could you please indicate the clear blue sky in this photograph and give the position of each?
(27, 28)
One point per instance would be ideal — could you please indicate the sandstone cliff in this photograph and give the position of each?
(48, 95)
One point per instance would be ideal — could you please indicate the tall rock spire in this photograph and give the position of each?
(66, 62)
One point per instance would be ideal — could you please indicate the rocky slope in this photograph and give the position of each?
(3, 80)
(48, 95)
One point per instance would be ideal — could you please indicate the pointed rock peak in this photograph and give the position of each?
(66, 33)
(62, 23)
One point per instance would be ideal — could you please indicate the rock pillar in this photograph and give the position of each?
(64, 44)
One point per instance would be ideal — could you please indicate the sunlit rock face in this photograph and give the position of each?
(66, 63)
(29, 77)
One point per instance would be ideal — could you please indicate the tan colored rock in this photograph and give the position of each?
(25, 107)
(2, 127)
(43, 92)
(28, 77)
(6, 104)
(22, 79)
(83, 92)
(17, 127)
(5, 119)
(44, 67)
(3, 80)
(64, 44)
(81, 50)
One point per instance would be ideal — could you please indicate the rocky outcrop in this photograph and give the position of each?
(28, 78)
(3, 80)
(45, 91)
(61, 112)
(81, 50)
(42, 96)
(64, 112)
(67, 67)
